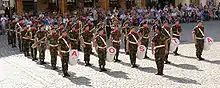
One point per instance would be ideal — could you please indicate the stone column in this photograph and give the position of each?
(19, 7)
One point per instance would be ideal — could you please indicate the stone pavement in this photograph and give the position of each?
(17, 71)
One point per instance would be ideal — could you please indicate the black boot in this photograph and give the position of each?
(167, 62)
(65, 74)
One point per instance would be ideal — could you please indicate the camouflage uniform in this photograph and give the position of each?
(41, 39)
(166, 32)
(26, 35)
(9, 34)
(33, 49)
(200, 41)
(101, 48)
(133, 45)
(13, 34)
(52, 39)
(145, 38)
(176, 30)
(159, 41)
(115, 37)
(64, 51)
(87, 37)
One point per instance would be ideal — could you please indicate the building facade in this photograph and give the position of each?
(72, 5)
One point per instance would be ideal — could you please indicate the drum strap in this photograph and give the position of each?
(201, 32)
(167, 32)
(159, 46)
(103, 42)
(65, 42)
(134, 38)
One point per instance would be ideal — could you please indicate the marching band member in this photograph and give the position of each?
(198, 37)
(33, 49)
(115, 39)
(166, 31)
(64, 48)
(86, 42)
(18, 33)
(40, 40)
(101, 45)
(159, 49)
(176, 32)
(73, 36)
(52, 39)
(26, 36)
(144, 32)
(132, 45)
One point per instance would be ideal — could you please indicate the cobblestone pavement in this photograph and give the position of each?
(185, 71)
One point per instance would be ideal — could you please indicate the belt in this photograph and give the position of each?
(159, 46)
(88, 43)
(32, 39)
(132, 42)
(25, 38)
(53, 45)
(101, 47)
(200, 38)
(73, 39)
(116, 41)
(176, 35)
(145, 37)
(65, 51)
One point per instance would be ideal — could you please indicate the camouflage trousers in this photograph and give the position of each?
(42, 48)
(117, 47)
(26, 46)
(102, 57)
(159, 58)
(132, 53)
(199, 48)
(65, 60)
(53, 54)
(87, 52)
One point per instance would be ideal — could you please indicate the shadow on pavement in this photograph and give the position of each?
(115, 74)
(213, 62)
(182, 80)
(147, 69)
(76, 80)
(190, 57)
(186, 66)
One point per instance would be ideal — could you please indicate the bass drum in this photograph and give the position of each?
(73, 57)
(111, 51)
(207, 43)
(141, 51)
(174, 43)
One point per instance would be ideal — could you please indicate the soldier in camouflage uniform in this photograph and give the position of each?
(115, 39)
(155, 26)
(166, 31)
(33, 49)
(78, 27)
(63, 48)
(176, 31)
(13, 33)
(26, 36)
(132, 45)
(125, 31)
(198, 36)
(41, 43)
(159, 49)
(144, 32)
(87, 37)
(100, 42)
(52, 39)
(9, 32)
